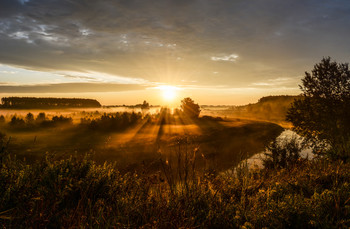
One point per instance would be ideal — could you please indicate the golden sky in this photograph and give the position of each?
(126, 51)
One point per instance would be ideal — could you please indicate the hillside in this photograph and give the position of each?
(269, 108)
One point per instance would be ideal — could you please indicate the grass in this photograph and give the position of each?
(76, 192)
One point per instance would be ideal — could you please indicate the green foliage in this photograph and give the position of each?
(79, 193)
(190, 108)
(322, 115)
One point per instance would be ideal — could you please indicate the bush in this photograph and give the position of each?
(283, 153)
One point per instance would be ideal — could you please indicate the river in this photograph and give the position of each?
(257, 159)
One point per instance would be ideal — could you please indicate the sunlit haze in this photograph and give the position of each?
(169, 92)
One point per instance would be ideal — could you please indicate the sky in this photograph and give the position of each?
(125, 51)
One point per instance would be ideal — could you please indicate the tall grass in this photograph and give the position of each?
(76, 192)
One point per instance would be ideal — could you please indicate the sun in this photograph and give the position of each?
(169, 93)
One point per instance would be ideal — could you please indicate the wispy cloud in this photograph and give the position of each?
(231, 57)
(101, 77)
(279, 82)
(79, 77)
(69, 88)
(8, 72)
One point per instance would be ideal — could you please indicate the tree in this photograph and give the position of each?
(41, 117)
(190, 108)
(29, 118)
(145, 105)
(322, 115)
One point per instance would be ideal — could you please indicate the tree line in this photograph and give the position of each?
(32, 122)
(42, 103)
(112, 121)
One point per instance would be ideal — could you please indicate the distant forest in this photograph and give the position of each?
(47, 103)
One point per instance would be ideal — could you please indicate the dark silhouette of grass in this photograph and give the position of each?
(76, 192)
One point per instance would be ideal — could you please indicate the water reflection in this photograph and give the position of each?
(257, 159)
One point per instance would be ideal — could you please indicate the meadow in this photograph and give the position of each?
(162, 169)
(133, 138)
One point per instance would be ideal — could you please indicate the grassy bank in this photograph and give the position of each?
(78, 193)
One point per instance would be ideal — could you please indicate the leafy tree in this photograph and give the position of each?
(190, 108)
(145, 105)
(322, 115)
(29, 118)
(41, 117)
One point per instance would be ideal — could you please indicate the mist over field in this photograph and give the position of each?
(131, 136)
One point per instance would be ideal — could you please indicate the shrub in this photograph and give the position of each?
(283, 153)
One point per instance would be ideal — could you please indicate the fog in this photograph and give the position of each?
(135, 138)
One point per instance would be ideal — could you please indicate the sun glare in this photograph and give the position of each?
(168, 92)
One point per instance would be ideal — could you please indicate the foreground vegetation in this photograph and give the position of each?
(76, 192)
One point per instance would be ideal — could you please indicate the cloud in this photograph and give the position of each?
(8, 72)
(79, 77)
(144, 39)
(232, 58)
(69, 88)
(101, 77)
(287, 82)
(23, 1)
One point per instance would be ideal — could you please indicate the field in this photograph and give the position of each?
(221, 143)
(162, 169)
